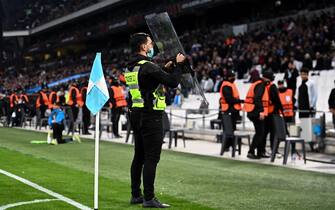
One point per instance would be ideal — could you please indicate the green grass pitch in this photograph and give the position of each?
(185, 181)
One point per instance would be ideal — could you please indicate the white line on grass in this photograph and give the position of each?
(26, 202)
(40, 188)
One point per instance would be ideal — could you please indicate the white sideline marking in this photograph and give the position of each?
(40, 188)
(26, 202)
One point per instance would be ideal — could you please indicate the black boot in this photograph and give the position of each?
(154, 203)
(136, 200)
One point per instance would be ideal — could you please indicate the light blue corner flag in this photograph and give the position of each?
(97, 92)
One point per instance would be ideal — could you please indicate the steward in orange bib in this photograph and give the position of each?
(230, 101)
(42, 102)
(117, 102)
(286, 99)
(53, 99)
(13, 99)
(256, 106)
(74, 100)
(24, 98)
(274, 107)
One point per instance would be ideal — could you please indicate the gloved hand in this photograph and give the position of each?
(185, 67)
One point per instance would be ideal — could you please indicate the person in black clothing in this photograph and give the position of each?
(290, 76)
(234, 104)
(306, 98)
(331, 104)
(319, 62)
(275, 107)
(257, 118)
(86, 113)
(308, 62)
(146, 120)
(5, 108)
(74, 106)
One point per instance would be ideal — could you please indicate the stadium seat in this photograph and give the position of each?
(70, 123)
(40, 121)
(172, 132)
(280, 130)
(228, 132)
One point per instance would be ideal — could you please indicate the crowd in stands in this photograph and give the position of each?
(211, 53)
(272, 48)
(35, 13)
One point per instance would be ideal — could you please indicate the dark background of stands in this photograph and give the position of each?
(69, 48)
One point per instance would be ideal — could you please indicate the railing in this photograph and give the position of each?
(182, 117)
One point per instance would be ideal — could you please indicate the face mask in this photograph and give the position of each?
(150, 53)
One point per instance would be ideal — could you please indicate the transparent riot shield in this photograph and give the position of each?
(168, 44)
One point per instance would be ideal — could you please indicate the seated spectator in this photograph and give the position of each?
(178, 99)
(207, 84)
(218, 82)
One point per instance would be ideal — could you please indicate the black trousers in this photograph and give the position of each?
(86, 119)
(148, 133)
(234, 117)
(268, 128)
(75, 111)
(43, 108)
(116, 113)
(258, 137)
(57, 130)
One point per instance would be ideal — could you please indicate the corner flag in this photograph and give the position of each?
(97, 92)
(97, 96)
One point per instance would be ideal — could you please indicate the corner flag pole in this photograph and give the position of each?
(96, 161)
(97, 96)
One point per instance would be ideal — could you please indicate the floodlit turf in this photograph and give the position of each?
(184, 181)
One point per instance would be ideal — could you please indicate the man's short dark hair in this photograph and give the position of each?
(304, 70)
(136, 40)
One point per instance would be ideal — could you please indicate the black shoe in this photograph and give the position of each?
(136, 200)
(263, 155)
(118, 136)
(154, 203)
(252, 156)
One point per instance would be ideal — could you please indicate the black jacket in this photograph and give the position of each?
(291, 79)
(149, 78)
(227, 92)
(331, 100)
(274, 98)
(259, 91)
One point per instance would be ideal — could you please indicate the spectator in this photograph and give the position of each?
(207, 84)
(178, 99)
(331, 104)
(307, 63)
(217, 84)
(306, 98)
(290, 76)
(319, 62)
